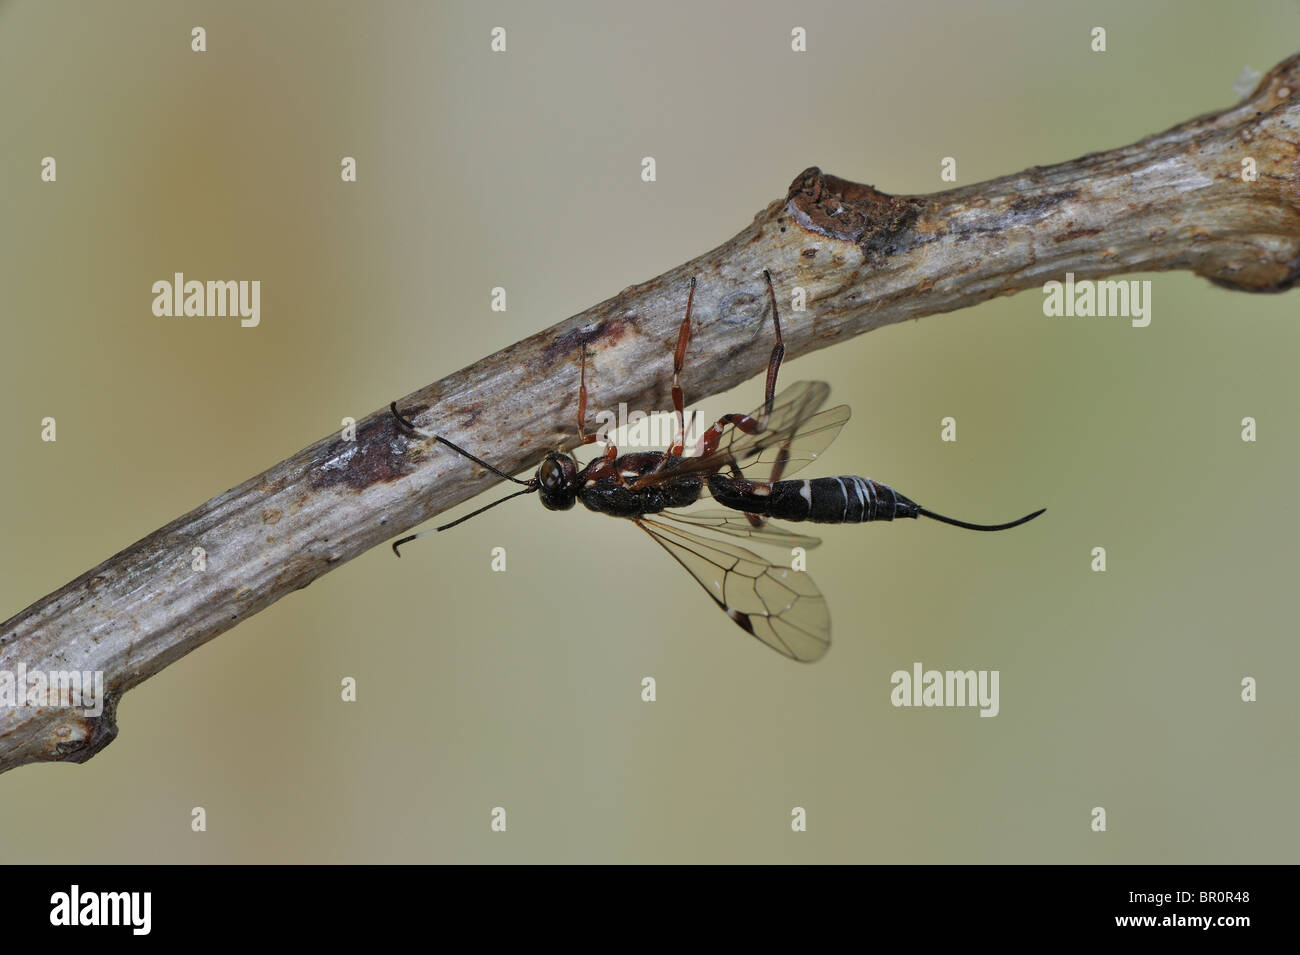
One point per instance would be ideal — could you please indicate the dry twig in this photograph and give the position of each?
(1176, 200)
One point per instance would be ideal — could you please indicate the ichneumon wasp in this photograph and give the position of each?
(780, 606)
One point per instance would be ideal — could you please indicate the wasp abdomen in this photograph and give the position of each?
(835, 500)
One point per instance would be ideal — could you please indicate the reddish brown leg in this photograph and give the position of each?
(778, 468)
(583, 437)
(755, 520)
(611, 452)
(749, 425)
(679, 402)
(679, 359)
(778, 350)
(710, 439)
(709, 443)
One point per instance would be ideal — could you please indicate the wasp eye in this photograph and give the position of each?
(550, 474)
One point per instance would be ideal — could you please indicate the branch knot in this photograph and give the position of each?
(851, 211)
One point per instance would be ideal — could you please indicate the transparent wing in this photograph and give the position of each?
(794, 433)
(794, 421)
(759, 453)
(737, 524)
(780, 606)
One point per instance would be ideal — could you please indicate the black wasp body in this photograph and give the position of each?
(834, 500)
(611, 487)
(779, 605)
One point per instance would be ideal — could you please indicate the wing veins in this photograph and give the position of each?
(804, 615)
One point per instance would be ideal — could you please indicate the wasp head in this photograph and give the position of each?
(557, 481)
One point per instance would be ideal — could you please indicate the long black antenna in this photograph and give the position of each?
(978, 527)
(392, 406)
(529, 486)
(486, 507)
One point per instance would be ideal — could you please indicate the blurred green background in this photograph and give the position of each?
(522, 689)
